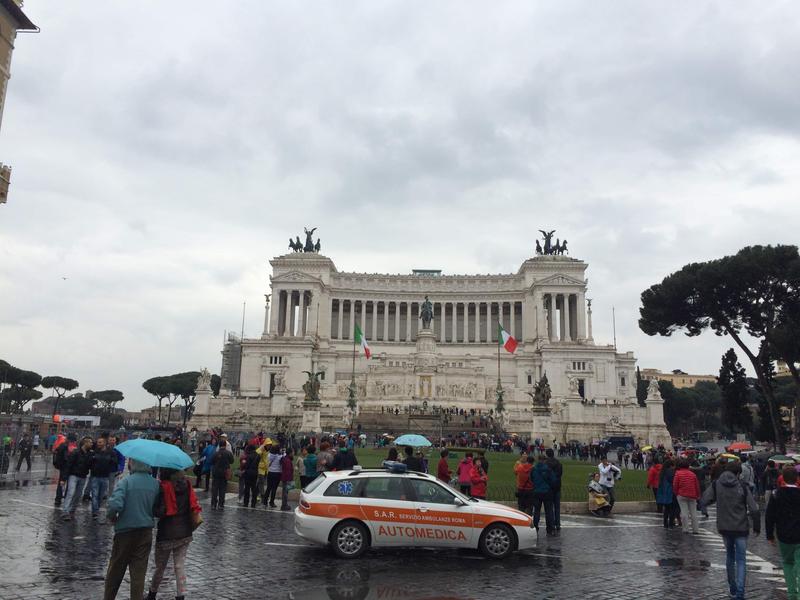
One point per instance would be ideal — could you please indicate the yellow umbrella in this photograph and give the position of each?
(646, 448)
(728, 455)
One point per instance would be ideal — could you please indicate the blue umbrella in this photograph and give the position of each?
(155, 454)
(412, 439)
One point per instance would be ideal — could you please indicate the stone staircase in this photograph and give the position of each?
(373, 423)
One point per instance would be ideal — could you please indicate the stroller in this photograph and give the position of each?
(598, 498)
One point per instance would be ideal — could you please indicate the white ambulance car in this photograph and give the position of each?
(354, 509)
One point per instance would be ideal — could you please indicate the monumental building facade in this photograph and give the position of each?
(313, 308)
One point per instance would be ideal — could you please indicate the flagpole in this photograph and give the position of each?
(499, 339)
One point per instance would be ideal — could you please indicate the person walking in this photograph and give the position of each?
(748, 475)
(686, 488)
(310, 462)
(36, 441)
(666, 495)
(287, 477)
(735, 503)
(769, 480)
(345, 458)
(522, 471)
(263, 463)
(220, 475)
(60, 454)
(443, 471)
(24, 447)
(130, 508)
(300, 466)
(653, 477)
(413, 463)
(103, 464)
(465, 474)
(178, 514)
(324, 458)
(273, 475)
(112, 478)
(783, 517)
(249, 475)
(206, 457)
(609, 473)
(78, 464)
(543, 484)
(558, 471)
(479, 480)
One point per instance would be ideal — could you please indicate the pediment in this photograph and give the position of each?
(296, 276)
(559, 279)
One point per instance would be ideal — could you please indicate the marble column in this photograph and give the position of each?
(266, 315)
(580, 314)
(287, 317)
(274, 316)
(396, 322)
(340, 320)
(488, 322)
(553, 323)
(589, 337)
(385, 321)
(500, 314)
(442, 322)
(408, 321)
(565, 312)
(454, 323)
(374, 326)
(301, 313)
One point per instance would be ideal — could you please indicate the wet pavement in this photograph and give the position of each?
(243, 553)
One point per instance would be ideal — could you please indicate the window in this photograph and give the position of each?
(316, 483)
(345, 488)
(430, 491)
(384, 488)
(322, 376)
(530, 379)
(582, 388)
(622, 380)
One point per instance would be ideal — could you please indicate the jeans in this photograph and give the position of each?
(736, 563)
(689, 512)
(273, 481)
(130, 550)
(74, 490)
(557, 509)
(219, 485)
(99, 486)
(790, 557)
(525, 501)
(178, 550)
(547, 500)
(609, 489)
(26, 458)
(249, 492)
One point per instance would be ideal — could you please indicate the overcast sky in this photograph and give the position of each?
(163, 152)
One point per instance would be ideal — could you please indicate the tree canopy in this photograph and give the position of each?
(752, 291)
(21, 388)
(732, 380)
(59, 385)
(107, 399)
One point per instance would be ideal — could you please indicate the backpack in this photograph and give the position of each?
(60, 456)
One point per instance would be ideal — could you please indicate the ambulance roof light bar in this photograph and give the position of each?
(394, 466)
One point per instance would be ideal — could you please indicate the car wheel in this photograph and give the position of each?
(497, 541)
(350, 539)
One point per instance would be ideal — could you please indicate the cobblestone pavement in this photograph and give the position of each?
(244, 553)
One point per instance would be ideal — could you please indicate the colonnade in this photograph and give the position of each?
(293, 313)
(397, 321)
(564, 317)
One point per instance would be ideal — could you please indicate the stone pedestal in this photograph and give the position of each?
(542, 426)
(310, 422)
(280, 404)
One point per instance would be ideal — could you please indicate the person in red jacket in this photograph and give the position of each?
(686, 488)
(653, 475)
(443, 471)
(479, 479)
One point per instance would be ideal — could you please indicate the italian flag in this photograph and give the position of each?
(360, 339)
(506, 340)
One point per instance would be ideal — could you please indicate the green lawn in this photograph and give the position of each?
(502, 483)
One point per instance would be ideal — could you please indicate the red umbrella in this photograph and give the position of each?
(739, 446)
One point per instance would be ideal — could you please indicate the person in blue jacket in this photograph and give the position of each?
(665, 496)
(130, 508)
(208, 454)
(544, 483)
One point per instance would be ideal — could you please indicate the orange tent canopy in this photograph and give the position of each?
(740, 446)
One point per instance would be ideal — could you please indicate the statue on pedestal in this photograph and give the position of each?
(541, 393)
(311, 388)
(426, 313)
(204, 381)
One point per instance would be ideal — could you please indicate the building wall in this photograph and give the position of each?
(679, 380)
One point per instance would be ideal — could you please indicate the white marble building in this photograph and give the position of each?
(309, 321)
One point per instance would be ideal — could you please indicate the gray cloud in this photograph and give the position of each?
(159, 163)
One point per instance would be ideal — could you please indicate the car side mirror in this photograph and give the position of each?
(460, 502)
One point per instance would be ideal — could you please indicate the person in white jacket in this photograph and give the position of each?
(609, 473)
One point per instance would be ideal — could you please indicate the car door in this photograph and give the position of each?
(442, 519)
(388, 508)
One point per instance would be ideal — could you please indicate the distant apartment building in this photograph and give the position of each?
(12, 20)
(679, 379)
